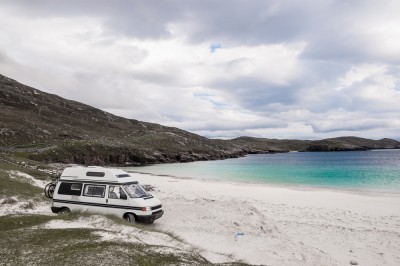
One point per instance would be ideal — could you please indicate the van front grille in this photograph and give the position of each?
(156, 207)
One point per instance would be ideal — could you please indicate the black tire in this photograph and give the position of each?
(130, 218)
(64, 210)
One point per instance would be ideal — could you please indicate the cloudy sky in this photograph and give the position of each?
(223, 68)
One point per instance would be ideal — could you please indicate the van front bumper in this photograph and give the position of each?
(150, 218)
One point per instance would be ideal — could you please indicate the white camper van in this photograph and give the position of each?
(104, 190)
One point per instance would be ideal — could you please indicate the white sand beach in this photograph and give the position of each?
(267, 225)
(261, 224)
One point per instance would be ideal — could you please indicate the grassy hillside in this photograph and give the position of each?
(262, 145)
(53, 129)
(352, 143)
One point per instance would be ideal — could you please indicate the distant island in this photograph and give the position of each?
(48, 128)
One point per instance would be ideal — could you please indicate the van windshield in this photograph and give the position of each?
(136, 191)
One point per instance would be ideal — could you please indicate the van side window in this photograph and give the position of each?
(94, 191)
(112, 193)
(116, 192)
(70, 189)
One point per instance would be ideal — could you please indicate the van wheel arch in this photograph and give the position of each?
(130, 217)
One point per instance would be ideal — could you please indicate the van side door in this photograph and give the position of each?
(94, 198)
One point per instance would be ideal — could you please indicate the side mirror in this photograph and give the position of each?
(123, 196)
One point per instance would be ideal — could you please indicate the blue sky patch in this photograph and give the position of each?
(214, 47)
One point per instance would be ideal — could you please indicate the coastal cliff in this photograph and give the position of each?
(45, 127)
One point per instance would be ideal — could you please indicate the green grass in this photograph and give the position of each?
(24, 157)
(14, 187)
(23, 241)
(5, 166)
(14, 222)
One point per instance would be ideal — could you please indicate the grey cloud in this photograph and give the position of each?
(254, 94)
(251, 23)
(4, 59)
(139, 18)
(154, 77)
(32, 76)
(349, 125)
(333, 47)
(231, 125)
(347, 33)
(325, 25)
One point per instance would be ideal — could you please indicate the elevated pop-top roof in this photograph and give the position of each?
(96, 174)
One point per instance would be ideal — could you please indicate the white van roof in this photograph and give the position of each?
(96, 174)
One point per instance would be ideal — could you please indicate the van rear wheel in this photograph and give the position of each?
(64, 210)
(130, 218)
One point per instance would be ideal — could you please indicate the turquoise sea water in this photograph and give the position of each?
(377, 170)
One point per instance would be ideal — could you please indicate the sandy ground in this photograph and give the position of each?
(14, 205)
(268, 225)
(119, 233)
(260, 224)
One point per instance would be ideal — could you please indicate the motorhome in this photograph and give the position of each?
(103, 190)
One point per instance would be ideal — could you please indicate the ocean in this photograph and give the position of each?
(376, 170)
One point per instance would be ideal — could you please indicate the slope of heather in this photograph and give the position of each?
(55, 129)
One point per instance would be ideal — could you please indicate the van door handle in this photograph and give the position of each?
(106, 200)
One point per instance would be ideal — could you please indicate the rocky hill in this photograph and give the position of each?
(53, 129)
(48, 128)
(351, 143)
(262, 145)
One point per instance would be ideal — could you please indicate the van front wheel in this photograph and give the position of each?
(130, 218)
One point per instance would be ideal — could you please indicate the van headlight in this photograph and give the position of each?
(146, 209)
